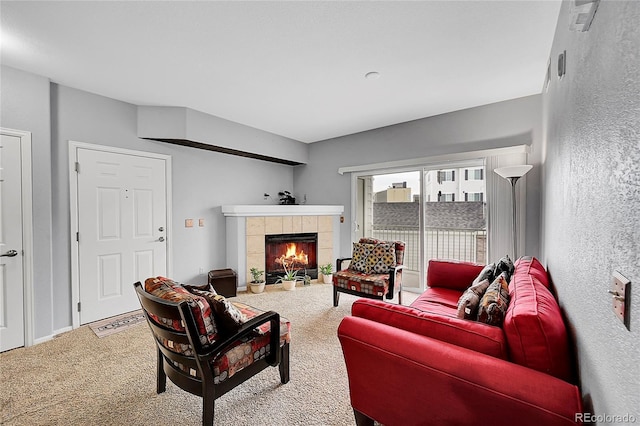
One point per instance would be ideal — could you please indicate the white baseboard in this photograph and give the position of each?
(52, 336)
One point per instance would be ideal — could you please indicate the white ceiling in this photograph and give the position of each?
(292, 68)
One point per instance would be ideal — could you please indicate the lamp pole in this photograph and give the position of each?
(513, 174)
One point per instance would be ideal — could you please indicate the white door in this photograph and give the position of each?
(122, 219)
(11, 246)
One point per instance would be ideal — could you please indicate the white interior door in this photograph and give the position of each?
(11, 245)
(122, 219)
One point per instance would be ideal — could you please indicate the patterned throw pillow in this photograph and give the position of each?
(228, 318)
(494, 303)
(381, 259)
(371, 258)
(168, 289)
(504, 265)
(487, 273)
(470, 299)
(360, 254)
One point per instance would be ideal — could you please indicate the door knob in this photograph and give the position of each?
(161, 229)
(10, 253)
(161, 239)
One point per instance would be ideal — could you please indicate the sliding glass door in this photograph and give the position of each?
(439, 212)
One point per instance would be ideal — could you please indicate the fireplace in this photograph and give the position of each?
(297, 251)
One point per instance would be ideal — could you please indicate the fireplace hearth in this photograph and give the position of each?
(295, 251)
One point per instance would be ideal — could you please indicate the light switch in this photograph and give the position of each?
(188, 223)
(620, 292)
(201, 223)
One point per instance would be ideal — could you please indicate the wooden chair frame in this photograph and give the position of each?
(392, 278)
(204, 356)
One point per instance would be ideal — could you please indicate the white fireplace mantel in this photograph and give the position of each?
(281, 210)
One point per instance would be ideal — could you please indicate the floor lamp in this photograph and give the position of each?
(512, 174)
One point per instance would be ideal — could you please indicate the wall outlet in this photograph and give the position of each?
(201, 223)
(201, 271)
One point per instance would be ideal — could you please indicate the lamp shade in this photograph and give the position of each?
(513, 171)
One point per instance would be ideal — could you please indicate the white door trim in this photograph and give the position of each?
(27, 229)
(73, 200)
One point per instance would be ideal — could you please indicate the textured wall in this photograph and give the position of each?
(591, 196)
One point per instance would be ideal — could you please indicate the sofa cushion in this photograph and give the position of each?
(471, 335)
(495, 301)
(470, 300)
(452, 274)
(532, 266)
(443, 296)
(533, 326)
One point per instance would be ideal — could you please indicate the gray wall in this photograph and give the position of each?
(491, 126)
(591, 215)
(24, 105)
(202, 182)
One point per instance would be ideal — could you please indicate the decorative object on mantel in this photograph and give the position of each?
(327, 273)
(257, 284)
(286, 198)
(512, 174)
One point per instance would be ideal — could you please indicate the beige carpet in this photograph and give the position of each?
(79, 379)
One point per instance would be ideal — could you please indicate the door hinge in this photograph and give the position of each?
(78, 306)
(77, 167)
(77, 236)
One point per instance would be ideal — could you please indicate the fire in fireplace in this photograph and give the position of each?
(296, 251)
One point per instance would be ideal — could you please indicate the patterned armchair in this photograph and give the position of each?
(208, 345)
(375, 270)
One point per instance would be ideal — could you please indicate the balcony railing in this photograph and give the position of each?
(465, 245)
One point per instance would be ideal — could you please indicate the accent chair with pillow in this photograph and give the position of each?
(208, 345)
(374, 271)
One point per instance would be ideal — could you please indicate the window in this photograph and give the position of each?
(473, 196)
(473, 174)
(447, 197)
(446, 176)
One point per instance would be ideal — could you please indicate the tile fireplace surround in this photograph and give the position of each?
(248, 224)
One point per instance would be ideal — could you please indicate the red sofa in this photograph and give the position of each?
(422, 365)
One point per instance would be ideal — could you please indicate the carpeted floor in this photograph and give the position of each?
(80, 379)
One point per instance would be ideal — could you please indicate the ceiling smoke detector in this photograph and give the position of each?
(372, 75)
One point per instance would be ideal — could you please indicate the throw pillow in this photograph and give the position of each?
(381, 259)
(487, 273)
(227, 316)
(168, 289)
(504, 265)
(495, 301)
(359, 256)
(470, 300)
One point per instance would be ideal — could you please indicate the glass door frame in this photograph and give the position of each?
(422, 169)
